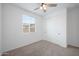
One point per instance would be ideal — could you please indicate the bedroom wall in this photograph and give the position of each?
(56, 27)
(13, 36)
(0, 30)
(73, 26)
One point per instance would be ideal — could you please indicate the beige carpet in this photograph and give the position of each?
(43, 48)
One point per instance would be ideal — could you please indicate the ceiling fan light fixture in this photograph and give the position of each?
(44, 6)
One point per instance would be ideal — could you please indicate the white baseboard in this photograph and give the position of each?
(20, 46)
(62, 45)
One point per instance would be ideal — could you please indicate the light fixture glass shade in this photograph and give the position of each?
(41, 7)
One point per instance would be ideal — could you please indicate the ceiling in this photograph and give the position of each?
(31, 6)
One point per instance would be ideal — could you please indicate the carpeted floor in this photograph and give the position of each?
(43, 48)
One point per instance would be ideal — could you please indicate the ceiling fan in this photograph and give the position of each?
(44, 6)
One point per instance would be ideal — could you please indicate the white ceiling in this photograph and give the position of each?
(31, 6)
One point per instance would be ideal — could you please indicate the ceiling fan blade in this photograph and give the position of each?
(52, 5)
(36, 8)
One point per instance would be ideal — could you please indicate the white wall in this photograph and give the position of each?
(73, 26)
(0, 29)
(56, 27)
(13, 36)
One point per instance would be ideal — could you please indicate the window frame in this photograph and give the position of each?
(29, 27)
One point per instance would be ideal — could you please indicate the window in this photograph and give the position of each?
(28, 23)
